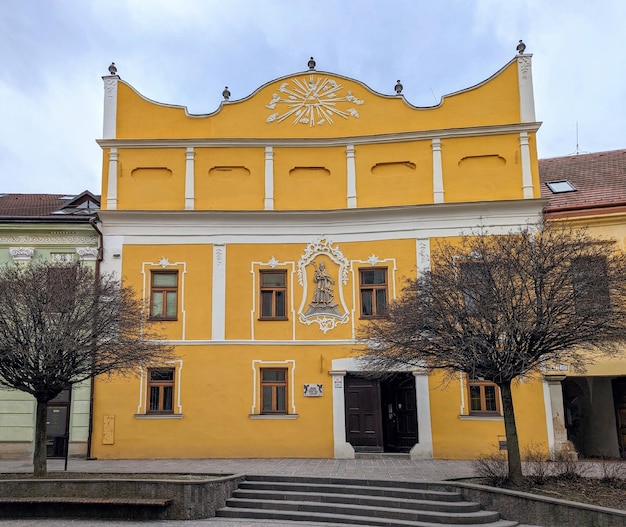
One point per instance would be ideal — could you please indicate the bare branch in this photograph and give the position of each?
(499, 307)
(60, 326)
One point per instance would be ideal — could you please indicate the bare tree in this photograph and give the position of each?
(61, 325)
(499, 307)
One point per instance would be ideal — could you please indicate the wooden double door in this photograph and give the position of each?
(381, 415)
(619, 394)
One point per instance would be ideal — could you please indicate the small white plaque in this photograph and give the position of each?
(313, 390)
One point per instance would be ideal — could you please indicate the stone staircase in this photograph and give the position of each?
(343, 501)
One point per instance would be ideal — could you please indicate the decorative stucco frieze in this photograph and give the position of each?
(524, 62)
(312, 102)
(21, 254)
(48, 240)
(110, 107)
(87, 253)
(373, 259)
(220, 255)
(62, 257)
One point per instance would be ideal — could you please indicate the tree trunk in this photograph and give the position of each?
(40, 461)
(512, 441)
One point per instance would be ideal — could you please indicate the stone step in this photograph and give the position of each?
(397, 513)
(373, 499)
(382, 455)
(338, 519)
(340, 481)
(342, 488)
(354, 502)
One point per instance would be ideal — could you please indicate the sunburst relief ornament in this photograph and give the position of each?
(313, 102)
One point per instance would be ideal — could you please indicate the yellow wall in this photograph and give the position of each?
(457, 437)
(151, 179)
(309, 171)
(309, 178)
(491, 102)
(217, 396)
(394, 174)
(310, 168)
(194, 266)
(482, 168)
(229, 178)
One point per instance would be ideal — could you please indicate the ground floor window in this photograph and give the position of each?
(484, 397)
(273, 390)
(161, 390)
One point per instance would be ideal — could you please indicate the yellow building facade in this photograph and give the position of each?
(587, 191)
(263, 235)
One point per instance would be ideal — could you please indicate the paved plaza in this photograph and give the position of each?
(388, 468)
(385, 468)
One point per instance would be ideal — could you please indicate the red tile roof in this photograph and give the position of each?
(43, 205)
(599, 179)
(30, 204)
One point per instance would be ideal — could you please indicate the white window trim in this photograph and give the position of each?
(465, 412)
(257, 365)
(273, 265)
(165, 264)
(142, 406)
(373, 262)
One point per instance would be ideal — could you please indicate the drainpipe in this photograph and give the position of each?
(94, 223)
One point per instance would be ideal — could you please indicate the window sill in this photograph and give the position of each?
(262, 417)
(158, 416)
(162, 319)
(273, 319)
(481, 417)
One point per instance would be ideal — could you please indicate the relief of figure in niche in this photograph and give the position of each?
(322, 302)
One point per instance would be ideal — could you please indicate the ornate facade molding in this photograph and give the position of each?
(21, 254)
(62, 257)
(48, 240)
(220, 255)
(312, 102)
(322, 308)
(87, 253)
(399, 137)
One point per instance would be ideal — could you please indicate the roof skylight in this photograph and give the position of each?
(558, 187)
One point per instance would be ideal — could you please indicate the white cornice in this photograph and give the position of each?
(48, 240)
(419, 221)
(399, 137)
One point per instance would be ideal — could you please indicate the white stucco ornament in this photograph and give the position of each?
(312, 102)
(322, 270)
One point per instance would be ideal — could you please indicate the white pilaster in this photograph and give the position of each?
(112, 183)
(189, 179)
(218, 304)
(112, 247)
(423, 449)
(422, 248)
(342, 449)
(269, 178)
(109, 123)
(555, 415)
(351, 176)
(527, 177)
(526, 96)
(437, 172)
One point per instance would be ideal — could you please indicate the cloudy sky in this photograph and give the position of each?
(185, 51)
